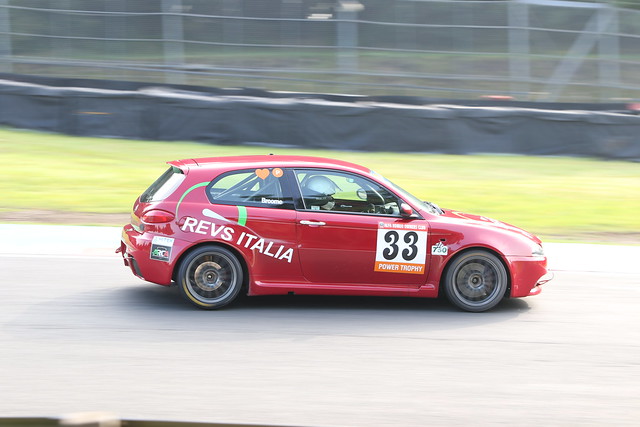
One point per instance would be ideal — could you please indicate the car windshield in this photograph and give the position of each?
(432, 208)
(163, 186)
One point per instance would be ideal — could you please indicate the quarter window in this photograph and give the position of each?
(163, 186)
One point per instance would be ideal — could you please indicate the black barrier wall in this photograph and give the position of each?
(242, 116)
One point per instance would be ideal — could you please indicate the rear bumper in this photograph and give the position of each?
(129, 260)
(135, 249)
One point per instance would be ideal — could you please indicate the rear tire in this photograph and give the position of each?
(210, 277)
(476, 281)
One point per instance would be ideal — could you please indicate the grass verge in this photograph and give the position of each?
(556, 197)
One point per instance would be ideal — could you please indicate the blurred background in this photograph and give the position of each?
(352, 79)
(544, 93)
(529, 50)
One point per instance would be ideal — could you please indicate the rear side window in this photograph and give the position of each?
(262, 187)
(163, 186)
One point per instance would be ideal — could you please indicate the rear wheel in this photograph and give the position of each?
(210, 277)
(476, 281)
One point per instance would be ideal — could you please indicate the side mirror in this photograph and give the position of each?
(406, 211)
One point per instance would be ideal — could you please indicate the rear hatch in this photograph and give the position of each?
(148, 208)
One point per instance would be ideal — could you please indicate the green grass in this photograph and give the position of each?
(550, 196)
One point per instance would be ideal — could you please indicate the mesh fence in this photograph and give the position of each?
(541, 50)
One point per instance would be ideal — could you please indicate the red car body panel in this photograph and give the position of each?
(302, 251)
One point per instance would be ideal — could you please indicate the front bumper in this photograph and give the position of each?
(528, 274)
(541, 281)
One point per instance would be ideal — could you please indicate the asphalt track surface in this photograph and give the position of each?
(79, 333)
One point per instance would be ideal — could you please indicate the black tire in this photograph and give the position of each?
(476, 281)
(210, 277)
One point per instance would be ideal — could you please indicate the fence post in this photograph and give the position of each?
(60, 25)
(6, 64)
(115, 29)
(519, 65)
(589, 37)
(347, 34)
(609, 53)
(172, 38)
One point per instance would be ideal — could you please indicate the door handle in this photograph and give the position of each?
(305, 222)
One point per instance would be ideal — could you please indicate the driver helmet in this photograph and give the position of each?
(321, 186)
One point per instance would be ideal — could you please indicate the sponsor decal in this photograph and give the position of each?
(264, 173)
(265, 247)
(439, 249)
(401, 248)
(161, 248)
(271, 201)
(203, 227)
(244, 239)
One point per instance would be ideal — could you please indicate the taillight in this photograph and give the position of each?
(157, 216)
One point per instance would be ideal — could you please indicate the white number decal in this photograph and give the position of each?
(401, 250)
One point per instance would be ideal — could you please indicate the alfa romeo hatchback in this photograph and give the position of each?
(266, 225)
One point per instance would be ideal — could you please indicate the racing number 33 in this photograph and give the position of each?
(401, 249)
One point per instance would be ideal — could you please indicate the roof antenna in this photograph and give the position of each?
(271, 154)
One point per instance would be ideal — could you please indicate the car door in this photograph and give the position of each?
(350, 231)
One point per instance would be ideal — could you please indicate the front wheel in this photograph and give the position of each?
(476, 281)
(210, 277)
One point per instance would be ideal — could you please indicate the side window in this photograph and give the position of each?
(344, 192)
(260, 187)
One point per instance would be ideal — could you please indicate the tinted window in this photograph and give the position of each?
(261, 187)
(163, 186)
(343, 192)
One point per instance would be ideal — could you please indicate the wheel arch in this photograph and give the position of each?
(232, 249)
(463, 251)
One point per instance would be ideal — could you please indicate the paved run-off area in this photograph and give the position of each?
(79, 333)
(102, 241)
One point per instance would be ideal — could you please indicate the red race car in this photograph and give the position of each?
(267, 225)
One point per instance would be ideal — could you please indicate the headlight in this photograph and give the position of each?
(537, 250)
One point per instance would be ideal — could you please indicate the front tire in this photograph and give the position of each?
(210, 277)
(476, 281)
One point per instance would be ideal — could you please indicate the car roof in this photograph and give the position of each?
(263, 161)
